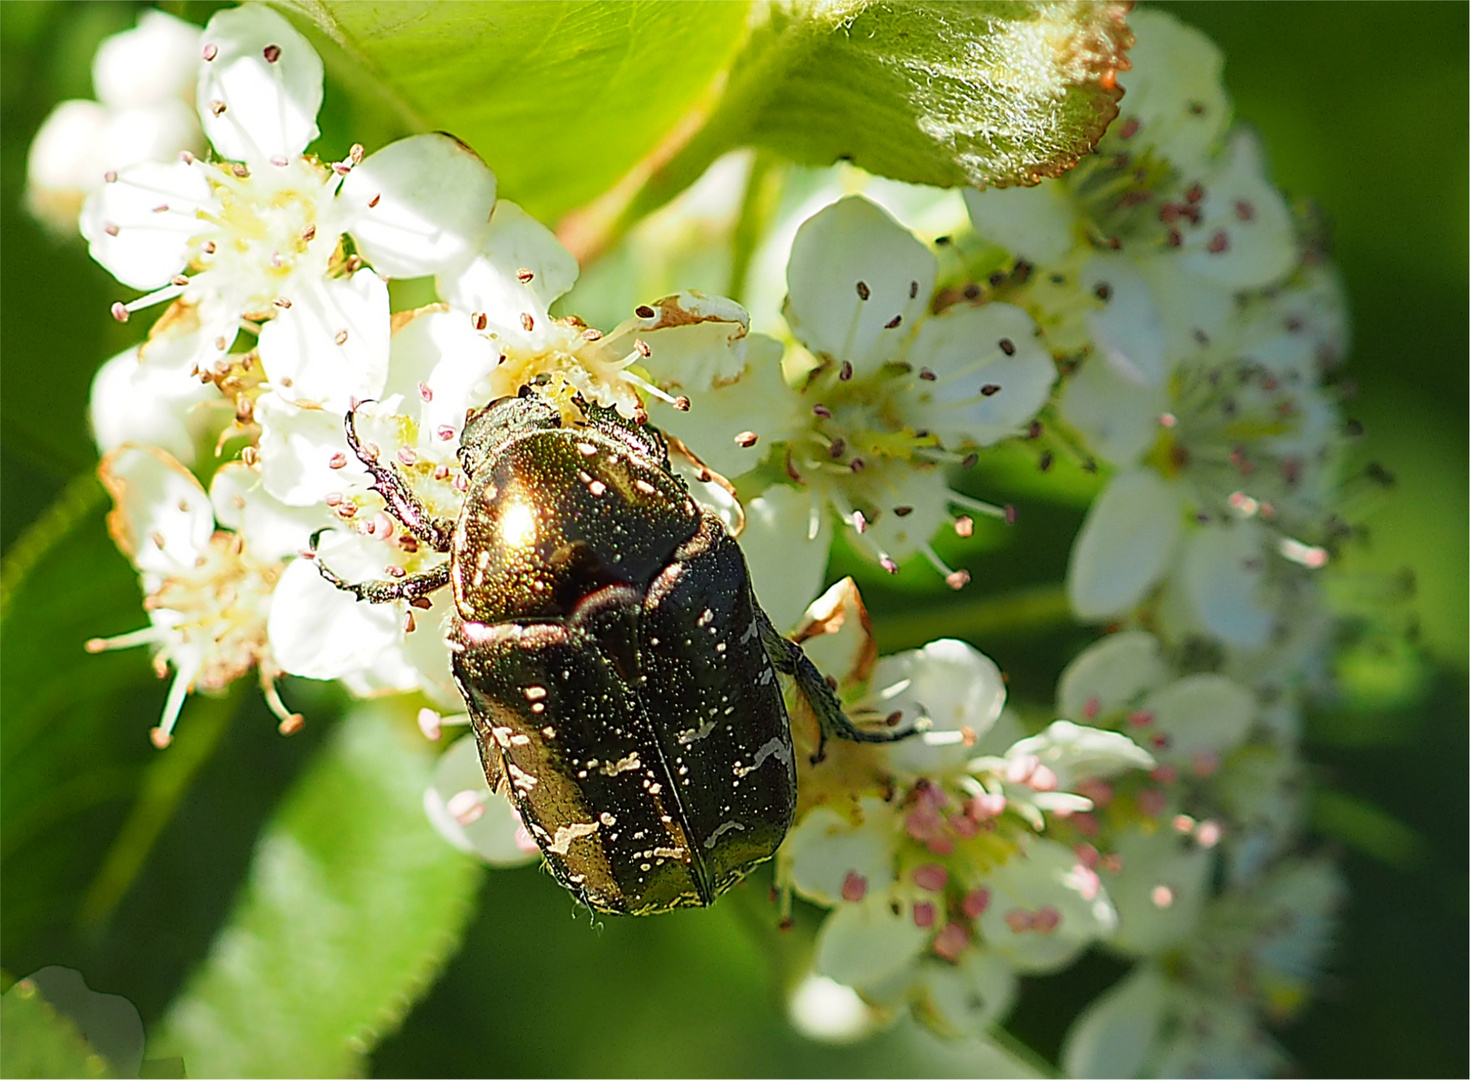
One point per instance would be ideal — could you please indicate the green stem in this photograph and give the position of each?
(756, 208)
(1024, 611)
(164, 786)
(80, 497)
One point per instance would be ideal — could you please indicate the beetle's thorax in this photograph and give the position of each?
(553, 515)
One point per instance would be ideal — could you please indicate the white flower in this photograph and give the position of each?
(1202, 1010)
(889, 394)
(209, 592)
(1188, 722)
(257, 236)
(505, 291)
(916, 843)
(144, 79)
(143, 403)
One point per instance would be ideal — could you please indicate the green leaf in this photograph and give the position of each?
(352, 905)
(980, 93)
(36, 1040)
(560, 98)
(70, 755)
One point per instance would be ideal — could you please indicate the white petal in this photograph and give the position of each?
(893, 483)
(161, 518)
(272, 530)
(1191, 309)
(694, 342)
(1201, 714)
(1160, 891)
(849, 248)
(1222, 570)
(421, 206)
(155, 61)
(949, 683)
(1111, 674)
(331, 345)
(454, 362)
(62, 156)
(491, 283)
(1173, 90)
(825, 848)
(1126, 544)
(1118, 418)
(786, 557)
(972, 351)
(1036, 223)
(1126, 331)
(321, 632)
(864, 944)
(1074, 751)
(1245, 238)
(966, 999)
(190, 336)
(492, 833)
(150, 133)
(1117, 1032)
(823, 1009)
(759, 403)
(139, 226)
(136, 402)
(428, 651)
(1217, 1036)
(1043, 874)
(297, 447)
(269, 107)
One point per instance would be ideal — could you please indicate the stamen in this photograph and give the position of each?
(1313, 558)
(291, 722)
(468, 806)
(955, 579)
(1005, 513)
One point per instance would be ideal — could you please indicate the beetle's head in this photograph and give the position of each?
(488, 428)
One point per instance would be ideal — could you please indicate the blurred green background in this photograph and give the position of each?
(1363, 109)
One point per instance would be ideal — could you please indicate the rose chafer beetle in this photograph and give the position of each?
(620, 676)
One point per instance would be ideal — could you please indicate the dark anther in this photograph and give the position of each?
(863, 291)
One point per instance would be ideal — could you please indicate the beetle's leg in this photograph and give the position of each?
(412, 587)
(402, 502)
(789, 659)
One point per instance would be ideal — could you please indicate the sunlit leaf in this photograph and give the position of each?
(351, 906)
(934, 92)
(560, 98)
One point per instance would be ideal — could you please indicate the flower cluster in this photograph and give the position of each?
(1160, 311)
(273, 264)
